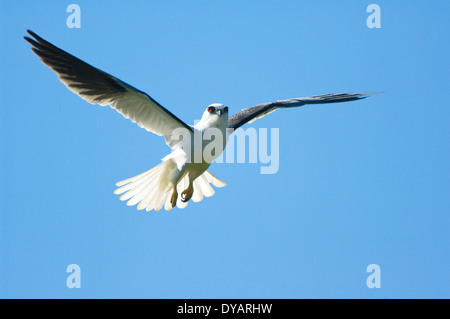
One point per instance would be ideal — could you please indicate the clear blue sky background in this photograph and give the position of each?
(359, 183)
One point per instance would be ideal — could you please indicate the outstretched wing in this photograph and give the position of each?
(98, 87)
(258, 111)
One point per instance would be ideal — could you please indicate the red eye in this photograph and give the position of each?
(226, 109)
(211, 109)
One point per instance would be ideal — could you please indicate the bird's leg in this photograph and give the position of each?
(186, 195)
(173, 198)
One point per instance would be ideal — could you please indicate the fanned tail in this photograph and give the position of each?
(153, 189)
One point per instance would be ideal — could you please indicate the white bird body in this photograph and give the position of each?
(182, 174)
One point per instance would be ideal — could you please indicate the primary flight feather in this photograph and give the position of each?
(178, 178)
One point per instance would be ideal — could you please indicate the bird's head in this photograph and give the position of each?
(216, 115)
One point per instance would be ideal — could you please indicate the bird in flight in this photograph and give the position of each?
(178, 178)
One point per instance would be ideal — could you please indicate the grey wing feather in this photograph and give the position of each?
(98, 87)
(253, 113)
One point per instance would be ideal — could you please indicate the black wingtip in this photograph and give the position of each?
(30, 40)
(35, 36)
(31, 33)
(364, 95)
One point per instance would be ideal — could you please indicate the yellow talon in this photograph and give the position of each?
(173, 199)
(186, 195)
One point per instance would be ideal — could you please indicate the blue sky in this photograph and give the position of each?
(359, 183)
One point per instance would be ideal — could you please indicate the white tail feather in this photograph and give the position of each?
(147, 197)
(153, 190)
(213, 180)
(205, 188)
(137, 180)
(197, 196)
